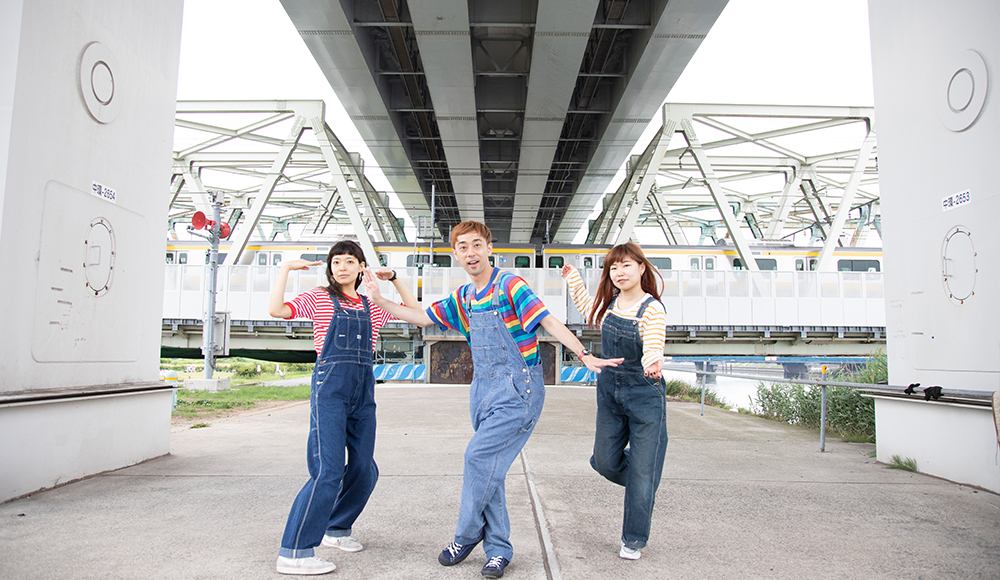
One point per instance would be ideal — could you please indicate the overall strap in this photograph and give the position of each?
(645, 303)
(496, 293)
(336, 303)
(364, 300)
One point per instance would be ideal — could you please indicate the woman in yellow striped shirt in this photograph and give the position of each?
(631, 437)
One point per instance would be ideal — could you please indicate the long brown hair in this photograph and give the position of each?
(606, 290)
(343, 248)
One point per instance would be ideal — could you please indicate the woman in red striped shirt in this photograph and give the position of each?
(341, 406)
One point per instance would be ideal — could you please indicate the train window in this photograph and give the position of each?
(800, 265)
(588, 262)
(275, 259)
(313, 257)
(262, 259)
(221, 257)
(492, 261)
(660, 263)
(556, 262)
(709, 263)
(812, 264)
(522, 261)
(170, 257)
(421, 259)
(858, 266)
(442, 261)
(762, 264)
(696, 263)
(182, 258)
(600, 262)
(383, 260)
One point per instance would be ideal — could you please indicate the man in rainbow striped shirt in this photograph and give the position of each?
(499, 315)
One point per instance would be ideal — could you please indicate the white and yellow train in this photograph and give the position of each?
(776, 257)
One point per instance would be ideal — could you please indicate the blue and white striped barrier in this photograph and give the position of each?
(403, 372)
(577, 375)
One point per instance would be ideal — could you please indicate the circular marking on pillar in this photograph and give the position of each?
(958, 265)
(100, 82)
(965, 88)
(99, 256)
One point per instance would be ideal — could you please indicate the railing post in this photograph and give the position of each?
(822, 413)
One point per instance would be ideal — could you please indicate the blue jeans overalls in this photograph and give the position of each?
(505, 401)
(631, 410)
(341, 416)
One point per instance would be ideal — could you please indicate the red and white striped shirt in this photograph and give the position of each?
(316, 305)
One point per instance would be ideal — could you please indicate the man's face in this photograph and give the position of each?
(473, 253)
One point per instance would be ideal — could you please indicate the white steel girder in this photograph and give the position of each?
(791, 138)
(826, 255)
(293, 181)
(718, 195)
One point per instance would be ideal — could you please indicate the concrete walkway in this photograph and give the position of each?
(741, 498)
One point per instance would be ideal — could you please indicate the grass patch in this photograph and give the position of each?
(197, 404)
(201, 425)
(897, 462)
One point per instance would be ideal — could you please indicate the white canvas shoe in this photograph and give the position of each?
(304, 566)
(345, 543)
(629, 553)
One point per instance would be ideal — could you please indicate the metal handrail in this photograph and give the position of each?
(977, 398)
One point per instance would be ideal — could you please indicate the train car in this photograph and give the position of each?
(775, 257)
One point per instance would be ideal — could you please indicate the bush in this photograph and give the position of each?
(244, 370)
(847, 412)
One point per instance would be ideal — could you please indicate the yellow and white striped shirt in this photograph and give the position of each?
(652, 325)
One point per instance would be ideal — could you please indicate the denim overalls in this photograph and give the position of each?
(631, 410)
(505, 401)
(341, 415)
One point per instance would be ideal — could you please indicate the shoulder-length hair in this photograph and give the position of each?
(606, 290)
(343, 248)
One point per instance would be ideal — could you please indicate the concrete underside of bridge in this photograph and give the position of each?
(481, 99)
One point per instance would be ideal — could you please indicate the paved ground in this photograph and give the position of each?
(741, 498)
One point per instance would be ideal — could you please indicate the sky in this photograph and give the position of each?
(782, 52)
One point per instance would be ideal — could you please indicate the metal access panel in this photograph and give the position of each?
(938, 146)
(87, 151)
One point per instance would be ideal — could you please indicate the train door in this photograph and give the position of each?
(801, 263)
(706, 263)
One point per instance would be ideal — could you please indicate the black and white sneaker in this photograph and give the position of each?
(495, 566)
(454, 553)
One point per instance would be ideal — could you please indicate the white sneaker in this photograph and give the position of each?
(345, 543)
(304, 566)
(629, 553)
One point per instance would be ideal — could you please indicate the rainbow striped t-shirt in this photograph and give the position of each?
(520, 308)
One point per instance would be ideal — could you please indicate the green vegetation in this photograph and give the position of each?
(200, 425)
(199, 404)
(897, 462)
(682, 390)
(847, 412)
(239, 370)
